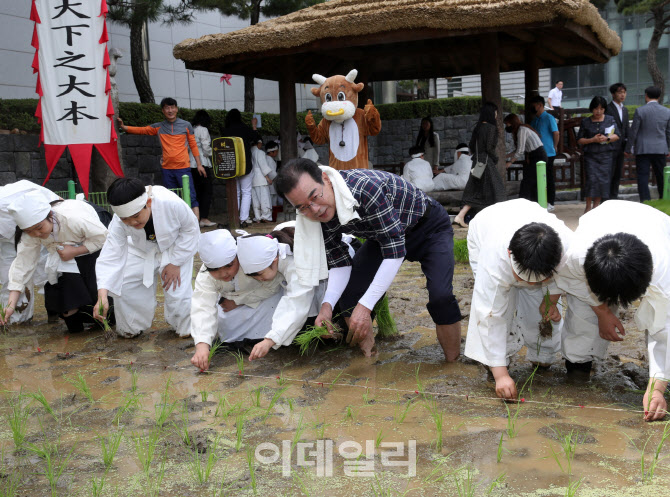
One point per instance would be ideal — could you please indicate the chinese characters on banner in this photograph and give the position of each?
(71, 61)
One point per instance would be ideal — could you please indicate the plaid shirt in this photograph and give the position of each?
(388, 205)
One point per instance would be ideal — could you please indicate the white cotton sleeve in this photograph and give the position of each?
(382, 281)
(338, 277)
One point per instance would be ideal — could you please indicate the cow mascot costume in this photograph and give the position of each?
(344, 125)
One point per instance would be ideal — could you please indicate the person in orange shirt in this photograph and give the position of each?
(176, 137)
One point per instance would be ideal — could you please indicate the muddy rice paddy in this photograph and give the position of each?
(83, 415)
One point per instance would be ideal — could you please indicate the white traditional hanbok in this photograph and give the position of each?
(454, 177)
(26, 303)
(260, 189)
(652, 227)
(130, 265)
(299, 301)
(504, 313)
(419, 172)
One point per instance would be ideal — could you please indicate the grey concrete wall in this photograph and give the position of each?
(21, 158)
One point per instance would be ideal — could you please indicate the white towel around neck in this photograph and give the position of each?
(310, 251)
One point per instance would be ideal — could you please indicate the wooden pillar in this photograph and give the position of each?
(231, 204)
(288, 122)
(489, 64)
(532, 80)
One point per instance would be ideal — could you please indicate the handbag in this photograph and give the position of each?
(478, 170)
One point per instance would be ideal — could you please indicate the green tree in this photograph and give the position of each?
(659, 16)
(135, 14)
(252, 10)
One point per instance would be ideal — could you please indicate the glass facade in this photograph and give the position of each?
(582, 83)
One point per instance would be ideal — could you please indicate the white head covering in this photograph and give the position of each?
(256, 253)
(463, 149)
(416, 156)
(131, 208)
(29, 209)
(217, 248)
(311, 155)
(528, 276)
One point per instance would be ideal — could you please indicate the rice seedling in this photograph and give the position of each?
(129, 404)
(134, 378)
(182, 428)
(439, 472)
(349, 414)
(465, 482)
(3, 312)
(153, 482)
(499, 480)
(461, 251)
(251, 463)
(512, 429)
(401, 415)
(97, 486)
(213, 350)
(256, 397)
(291, 404)
(297, 434)
(378, 490)
(573, 486)
(386, 325)
(104, 324)
(647, 470)
(163, 410)
(500, 449)
(337, 378)
(320, 430)
(42, 400)
(379, 439)
(17, 418)
(9, 482)
(109, 446)
(568, 442)
(200, 470)
(239, 431)
(437, 416)
(225, 409)
(366, 394)
(275, 398)
(239, 360)
(145, 448)
(419, 383)
(311, 336)
(300, 482)
(82, 386)
(280, 379)
(54, 464)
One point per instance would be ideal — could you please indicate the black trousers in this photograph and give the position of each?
(615, 177)
(430, 242)
(203, 190)
(551, 185)
(528, 188)
(642, 164)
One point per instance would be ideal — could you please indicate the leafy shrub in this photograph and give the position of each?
(461, 251)
(662, 205)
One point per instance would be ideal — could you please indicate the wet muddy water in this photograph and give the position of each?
(334, 396)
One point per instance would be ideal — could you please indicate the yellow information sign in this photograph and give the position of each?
(228, 157)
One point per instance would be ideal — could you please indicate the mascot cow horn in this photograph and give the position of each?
(344, 126)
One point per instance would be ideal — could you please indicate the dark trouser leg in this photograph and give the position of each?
(642, 163)
(551, 187)
(365, 264)
(658, 163)
(617, 166)
(203, 190)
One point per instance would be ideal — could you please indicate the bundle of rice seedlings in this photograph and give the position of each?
(386, 326)
(461, 251)
(311, 335)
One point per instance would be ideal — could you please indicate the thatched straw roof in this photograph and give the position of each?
(568, 31)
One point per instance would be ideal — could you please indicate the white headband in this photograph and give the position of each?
(132, 207)
(416, 156)
(528, 276)
(256, 253)
(463, 149)
(29, 209)
(272, 149)
(217, 248)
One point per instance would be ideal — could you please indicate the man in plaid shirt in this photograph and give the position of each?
(398, 222)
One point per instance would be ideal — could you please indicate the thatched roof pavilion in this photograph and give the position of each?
(407, 39)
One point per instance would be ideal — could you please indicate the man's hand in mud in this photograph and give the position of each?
(201, 357)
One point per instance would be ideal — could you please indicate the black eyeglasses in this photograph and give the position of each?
(304, 208)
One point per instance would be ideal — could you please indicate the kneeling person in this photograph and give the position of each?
(163, 235)
(620, 253)
(247, 307)
(515, 247)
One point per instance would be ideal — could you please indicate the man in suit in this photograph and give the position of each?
(649, 140)
(618, 111)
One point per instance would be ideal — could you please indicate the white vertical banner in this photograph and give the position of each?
(72, 72)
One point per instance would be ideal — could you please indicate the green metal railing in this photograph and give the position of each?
(100, 198)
